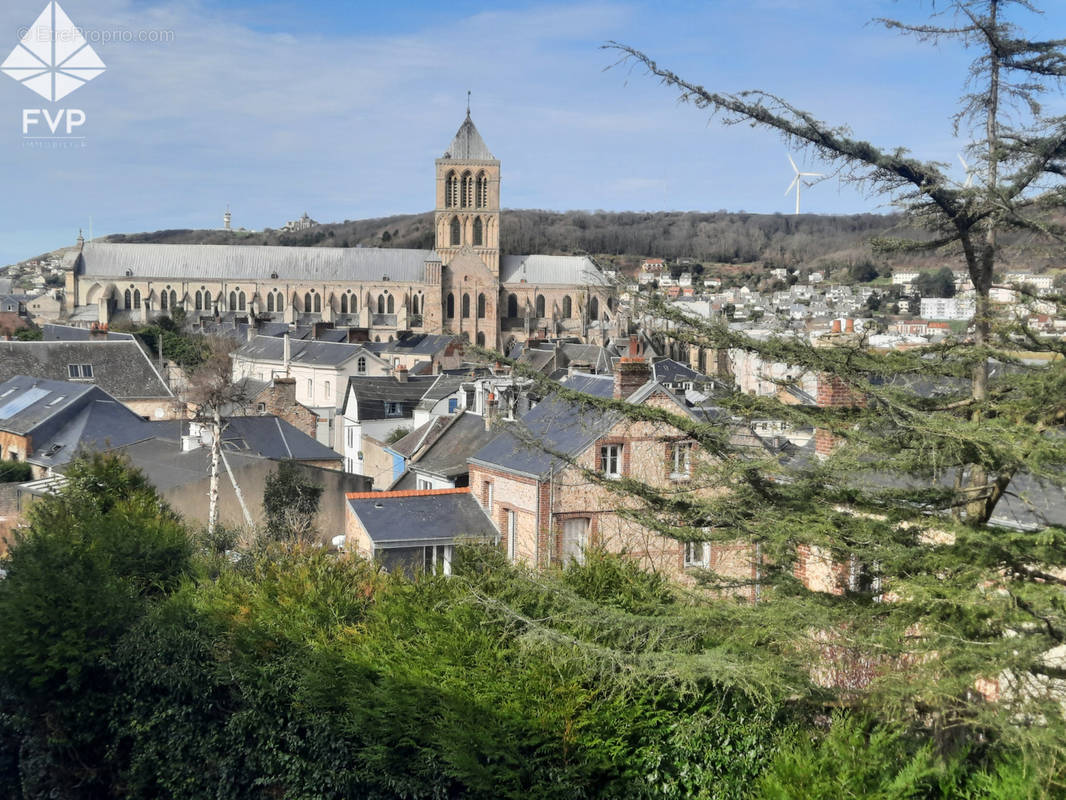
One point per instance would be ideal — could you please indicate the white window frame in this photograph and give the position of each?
(697, 554)
(611, 460)
(512, 534)
(576, 550)
(437, 558)
(681, 461)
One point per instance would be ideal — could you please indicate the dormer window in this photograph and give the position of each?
(393, 409)
(80, 371)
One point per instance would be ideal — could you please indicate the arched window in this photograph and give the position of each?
(318, 303)
(415, 301)
(241, 300)
(128, 299)
(466, 306)
(270, 301)
(451, 190)
(468, 190)
(568, 307)
(390, 304)
(479, 232)
(353, 307)
(360, 365)
(200, 301)
(163, 297)
(136, 298)
(540, 305)
(450, 306)
(594, 308)
(512, 305)
(482, 190)
(280, 304)
(481, 306)
(344, 304)
(381, 304)
(456, 231)
(232, 301)
(480, 339)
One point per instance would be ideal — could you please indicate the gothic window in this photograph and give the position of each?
(163, 300)
(381, 304)
(128, 299)
(478, 232)
(451, 190)
(360, 365)
(136, 298)
(456, 231)
(280, 304)
(391, 305)
(481, 306)
(451, 306)
(568, 307)
(232, 301)
(512, 305)
(344, 304)
(480, 339)
(414, 304)
(199, 300)
(466, 306)
(241, 300)
(594, 309)
(270, 301)
(540, 305)
(354, 307)
(482, 190)
(318, 303)
(468, 190)
(307, 301)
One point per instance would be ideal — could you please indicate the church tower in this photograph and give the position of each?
(468, 199)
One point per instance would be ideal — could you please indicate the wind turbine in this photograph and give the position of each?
(969, 172)
(797, 181)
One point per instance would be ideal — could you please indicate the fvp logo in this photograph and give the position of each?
(53, 58)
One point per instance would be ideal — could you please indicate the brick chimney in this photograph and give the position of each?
(631, 373)
(401, 374)
(832, 392)
(836, 326)
(492, 411)
(849, 326)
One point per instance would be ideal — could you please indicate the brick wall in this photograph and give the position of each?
(280, 400)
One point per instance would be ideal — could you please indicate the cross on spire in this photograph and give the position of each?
(468, 102)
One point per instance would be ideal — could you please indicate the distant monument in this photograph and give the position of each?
(227, 220)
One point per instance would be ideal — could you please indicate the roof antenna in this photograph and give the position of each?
(467, 102)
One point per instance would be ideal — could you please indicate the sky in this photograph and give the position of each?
(340, 108)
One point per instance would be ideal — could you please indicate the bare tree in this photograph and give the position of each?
(212, 397)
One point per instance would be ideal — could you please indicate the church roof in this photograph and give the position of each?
(254, 262)
(559, 270)
(468, 144)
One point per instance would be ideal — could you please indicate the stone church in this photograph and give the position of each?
(464, 286)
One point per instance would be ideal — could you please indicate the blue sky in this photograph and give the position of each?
(339, 108)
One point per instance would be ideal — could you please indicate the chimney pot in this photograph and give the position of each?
(836, 326)
(849, 326)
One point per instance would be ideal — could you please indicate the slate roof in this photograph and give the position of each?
(119, 367)
(99, 424)
(670, 371)
(27, 402)
(558, 270)
(68, 333)
(272, 348)
(552, 432)
(372, 394)
(468, 144)
(62, 417)
(413, 519)
(166, 466)
(420, 436)
(417, 344)
(273, 438)
(446, 453)
(235, 263)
